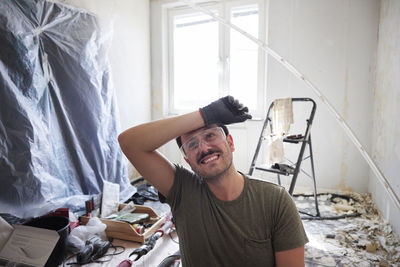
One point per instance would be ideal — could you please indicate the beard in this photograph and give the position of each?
(214, 174)
(215, 177)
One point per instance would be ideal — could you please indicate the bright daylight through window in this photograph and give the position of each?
(208, 60)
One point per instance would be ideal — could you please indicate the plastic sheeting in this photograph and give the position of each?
(58, 127)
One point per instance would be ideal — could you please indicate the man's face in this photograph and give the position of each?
(208, 151)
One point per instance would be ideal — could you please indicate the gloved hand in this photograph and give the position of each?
(225, 110)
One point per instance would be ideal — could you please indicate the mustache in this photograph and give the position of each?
(209, 152)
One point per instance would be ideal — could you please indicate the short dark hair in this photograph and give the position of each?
(226, 131)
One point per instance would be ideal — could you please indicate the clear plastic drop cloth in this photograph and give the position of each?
(58, 113)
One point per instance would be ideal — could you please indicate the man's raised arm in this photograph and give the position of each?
(139, 143)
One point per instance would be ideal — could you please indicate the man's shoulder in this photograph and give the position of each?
(261, 182)
(256, 183)
(186, 175)
(183, 171)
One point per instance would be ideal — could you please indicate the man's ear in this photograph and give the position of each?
(230, 142)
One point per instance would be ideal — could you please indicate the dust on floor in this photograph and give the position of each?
(364, 240)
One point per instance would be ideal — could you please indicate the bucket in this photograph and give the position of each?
(61, 225)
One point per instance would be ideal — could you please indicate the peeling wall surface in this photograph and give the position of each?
(333, 43)
(386, 129)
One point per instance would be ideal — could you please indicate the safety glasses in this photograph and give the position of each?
(212, 136)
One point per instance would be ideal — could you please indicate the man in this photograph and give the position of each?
(222, 217)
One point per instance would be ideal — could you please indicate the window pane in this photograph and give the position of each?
(195, 60)
(244, 56)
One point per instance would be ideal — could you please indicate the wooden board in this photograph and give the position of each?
(124, 230)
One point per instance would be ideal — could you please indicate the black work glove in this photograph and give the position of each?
(225, 110)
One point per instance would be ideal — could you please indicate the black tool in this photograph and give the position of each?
(151, 240)
(172, 260)
(94, 249)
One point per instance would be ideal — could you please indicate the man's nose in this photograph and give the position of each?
(204, 145)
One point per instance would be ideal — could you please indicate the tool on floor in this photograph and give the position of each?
(148, 244)
(94, 249)
(171, 261)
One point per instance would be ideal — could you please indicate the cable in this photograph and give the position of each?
(168, 261)
(333, 196)
(170, 235)
(68, 258)
(321, 218)
(92, 260)
(115, 251)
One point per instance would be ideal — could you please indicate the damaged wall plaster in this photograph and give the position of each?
(386, 128)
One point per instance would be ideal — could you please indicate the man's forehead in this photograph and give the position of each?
(187, 135)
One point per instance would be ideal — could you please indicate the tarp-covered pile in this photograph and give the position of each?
(58, 127)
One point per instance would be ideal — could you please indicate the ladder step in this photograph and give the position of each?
(286, 170)
(294, 141)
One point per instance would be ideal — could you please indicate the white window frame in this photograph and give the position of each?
(224, 50)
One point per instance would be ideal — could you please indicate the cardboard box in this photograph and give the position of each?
(124, 230)
(29, 246)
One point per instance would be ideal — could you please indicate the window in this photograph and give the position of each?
(207, 60)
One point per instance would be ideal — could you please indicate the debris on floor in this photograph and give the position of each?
(363, 240)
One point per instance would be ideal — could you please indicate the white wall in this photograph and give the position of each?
(386, 129)
(333, 43)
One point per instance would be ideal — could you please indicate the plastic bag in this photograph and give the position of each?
(78, 236)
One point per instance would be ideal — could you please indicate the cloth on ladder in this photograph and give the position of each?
(275, 149)
(283, 116)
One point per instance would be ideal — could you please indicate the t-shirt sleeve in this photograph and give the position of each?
(288, 230)
(185, 182)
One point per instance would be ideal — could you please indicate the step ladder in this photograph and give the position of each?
(293, 168)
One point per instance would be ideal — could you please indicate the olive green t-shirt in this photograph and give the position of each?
(243, 232)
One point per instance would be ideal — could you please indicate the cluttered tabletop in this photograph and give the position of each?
(138, 237)
(139, 232)
(164, 251)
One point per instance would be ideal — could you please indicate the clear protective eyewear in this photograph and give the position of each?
(212, 136)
